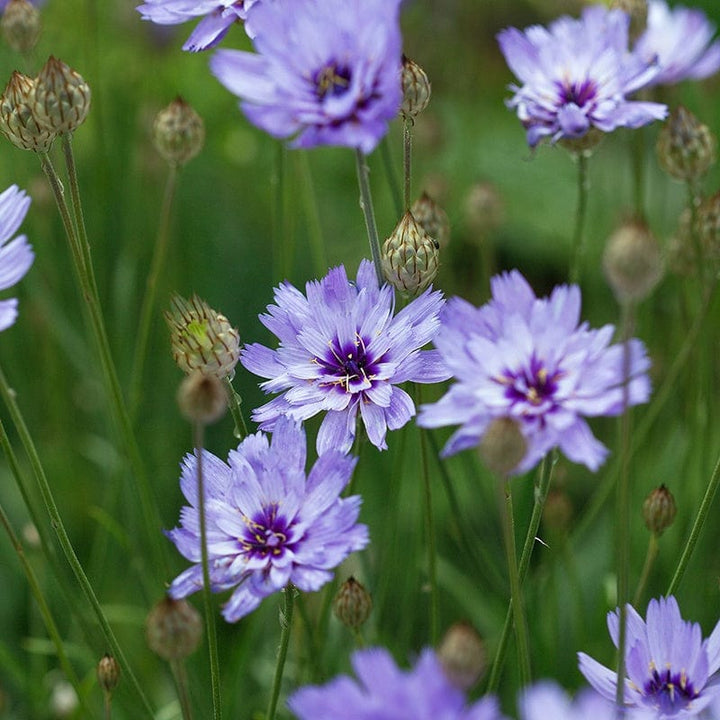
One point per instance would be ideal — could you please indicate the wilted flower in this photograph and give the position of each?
(529, 359)
(326, 72)
(343, 352)
(576, 75)
(385, 692)
(668, 664)
(268, 524)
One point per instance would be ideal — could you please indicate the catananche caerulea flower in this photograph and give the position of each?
(529, 359)
(668, 663)
(343, 351)
(326, 72)
(268, 524)
(680, 39)
(16, 254)
(217, 17)
(385, 692)
(575, 75)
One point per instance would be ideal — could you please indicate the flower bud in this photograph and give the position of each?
(173, 629)
(62, 97)
(659, 510)
(432, 218)
(352, 604)
(201, 338)
(178, 132)
(108, 673)
(632, 261)
(416, 89)
(18, 118)
(638, 12)
(462, 655)
(685, 147)
(707, 227)
(484, 209)
(21, 25)
(409, 257)
(583, 145)
(503, 446)
(202, 398)
(557, 513)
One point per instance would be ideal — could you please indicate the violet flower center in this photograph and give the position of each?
(333, 80)
(533, 385)
(350, 367)
(266, 535)
(578, 93)
(669, 691)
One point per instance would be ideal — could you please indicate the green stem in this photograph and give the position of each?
(317, 244)
(407, 160)
(693, 199)
(652, 553)
(178, 670)
(286, 622)
(366, 205)
(638, 165)
(578, 243)
(277, 181)
(234, 403)
(391, 176)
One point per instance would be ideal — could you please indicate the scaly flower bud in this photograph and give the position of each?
(638, 12)
(409, 257)
(201, 338)
(108, 673)
(685, 147)
(202, 398)
(557, 513)
(503, 446)
(416, 89)
(21, 25)
(178, 132)
(462, 655)
(173, 629)
(707, 226)
(18, 119)
(659, 510)
(352, 604)
(62, 97)
(432, 218)
(484, 208)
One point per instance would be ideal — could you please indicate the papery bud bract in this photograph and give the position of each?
(21, 25)
(62, 97)
(503, 446)
(18, 119)
(173, 629)
(685, 147)
(432, 218)
(202, 398)
(462, 655)
(659, 510)
(178, 132)
(410, 257)
(108, 673)
(352, 604)
(416, 89)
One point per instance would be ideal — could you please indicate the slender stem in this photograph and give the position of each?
(207, 590)
(148, 304)
(286, 622)
(107, 703)
(179, 673)
(366, 205)
(391, 176)
(277, 180)
(638, 165)
(652, 553)
(407, 160)
(578, 241)
(234, 403)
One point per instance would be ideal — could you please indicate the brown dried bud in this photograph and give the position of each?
(173, 629)
(21, 25)
(462, 655)
(484, 208)
(410, 257)
(557, 513)
(202, 398)
(352, 604)
(659, 510)
(503, 446)
(62, 97)
(432, 218)
(416, 89)
(18, 118)
(632, 261)
(707, 226)
(178, 132)
(685, 147)
(638, 12)
(108, 673)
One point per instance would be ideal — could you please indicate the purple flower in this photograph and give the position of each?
(267, 523)
(575, 75)
(217, 17)
(16, 255)
(668, 663)
(528, 359)
(343, 351)
(3, 4)
(680, 40)
(326, 71)
(384, 692)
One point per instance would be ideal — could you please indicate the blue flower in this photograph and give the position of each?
(343, 352)
(268, 524)
(669, 665)
(576, 74)
(530, 360)
(326, 72)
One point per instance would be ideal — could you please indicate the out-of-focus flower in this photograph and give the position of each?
(529, 359)
(385, 692)
(20, 25)
(343, 351)
(668, 663)
(326, 72)
(679, 39)
(576, 75)
(217, 17)
(268, 523)
(4, 3)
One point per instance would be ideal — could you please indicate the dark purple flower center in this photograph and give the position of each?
(533, 384)
(350, 367)
(669, 691)
(333, 80)
(579, 93)
(266, 534)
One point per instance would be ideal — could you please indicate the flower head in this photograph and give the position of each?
(680, 40)
(385, 692)
(343, 351)
(576, 75)
(268, 524)
(668, 663)
(326, 72)
(529, 359)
